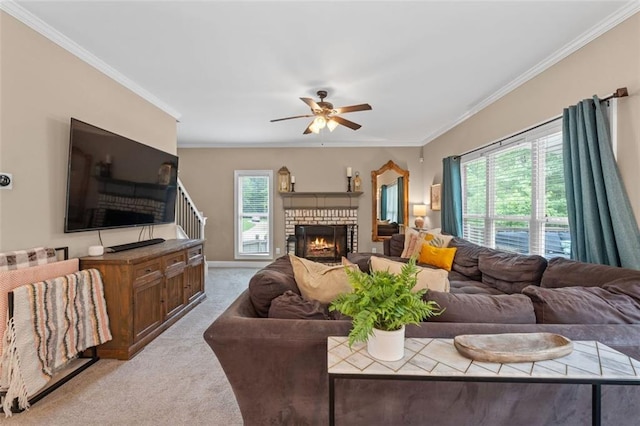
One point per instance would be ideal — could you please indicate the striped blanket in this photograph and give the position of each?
(53, 321)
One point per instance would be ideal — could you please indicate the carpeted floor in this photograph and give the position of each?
(175, 380)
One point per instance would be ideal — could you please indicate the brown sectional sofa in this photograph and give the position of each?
(272, 344)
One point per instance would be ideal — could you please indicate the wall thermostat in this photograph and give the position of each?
(6, 181)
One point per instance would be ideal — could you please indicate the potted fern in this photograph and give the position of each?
(380, 305)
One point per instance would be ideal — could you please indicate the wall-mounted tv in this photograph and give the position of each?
(115, 182)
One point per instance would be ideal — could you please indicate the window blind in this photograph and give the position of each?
(513, 194)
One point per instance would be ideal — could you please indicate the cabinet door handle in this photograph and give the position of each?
(148, 270)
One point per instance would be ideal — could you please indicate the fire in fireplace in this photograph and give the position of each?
(321, 243)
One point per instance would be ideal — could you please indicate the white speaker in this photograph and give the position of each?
(96, 251)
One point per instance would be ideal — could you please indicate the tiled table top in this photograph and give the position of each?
(439, 357)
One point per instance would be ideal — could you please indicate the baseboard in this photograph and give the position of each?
(236, 264)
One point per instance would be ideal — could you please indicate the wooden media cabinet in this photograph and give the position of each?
(147, 290)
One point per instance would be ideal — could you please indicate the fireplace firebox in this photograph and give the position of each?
(321, 243)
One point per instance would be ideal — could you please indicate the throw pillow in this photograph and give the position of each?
(293, 306)
(318, 281)
(409, 234)
(582, 305)
(414, 246)
(432, 279)
(483, 308)
(436, 256)
(437, 240)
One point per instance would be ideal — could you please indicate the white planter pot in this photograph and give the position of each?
(386, 345)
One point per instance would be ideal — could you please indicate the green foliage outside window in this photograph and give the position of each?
(255, 194)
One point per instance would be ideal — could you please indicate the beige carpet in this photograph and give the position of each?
(175, 380)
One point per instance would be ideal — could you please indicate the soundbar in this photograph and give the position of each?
(137, 244)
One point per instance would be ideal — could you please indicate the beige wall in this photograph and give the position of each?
(607, 63)
(41, 87)
(208, 176)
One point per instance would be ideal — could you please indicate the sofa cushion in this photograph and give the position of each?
(433, 279)
(436, 256)
(510, 272)
(466, 258)
(360, 259)
(269, 283)
(483, 308)
(471, 287)
(562, 272)
(583, 305)
(395, 245)
(293, 306)
(318, 281)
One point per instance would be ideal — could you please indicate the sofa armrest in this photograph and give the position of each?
(260, 356)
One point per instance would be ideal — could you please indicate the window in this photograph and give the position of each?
(514, 196)
(253, 207)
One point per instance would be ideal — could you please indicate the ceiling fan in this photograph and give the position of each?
(326, 115)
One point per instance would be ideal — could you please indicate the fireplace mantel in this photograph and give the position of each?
(322, 194)
(324, 200)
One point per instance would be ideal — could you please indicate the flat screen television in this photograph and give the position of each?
(115, 182)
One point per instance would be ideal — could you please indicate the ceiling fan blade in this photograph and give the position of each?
(289, 118)
(312, 104)
(349, 124)
(308, 129)
(353, 108)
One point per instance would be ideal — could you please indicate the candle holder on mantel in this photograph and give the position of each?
(348, 183)
(293, 187)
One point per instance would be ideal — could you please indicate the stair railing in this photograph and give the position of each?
(188, 217)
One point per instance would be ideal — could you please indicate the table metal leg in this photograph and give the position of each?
(595, 405)
(332, 408)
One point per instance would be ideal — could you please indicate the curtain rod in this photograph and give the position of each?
(619, 93)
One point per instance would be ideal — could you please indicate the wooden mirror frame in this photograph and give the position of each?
(389, 166)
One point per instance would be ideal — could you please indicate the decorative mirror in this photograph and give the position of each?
(390, 209)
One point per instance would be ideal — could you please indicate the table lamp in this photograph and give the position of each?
(419, 210)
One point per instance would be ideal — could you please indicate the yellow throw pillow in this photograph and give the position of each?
(318, 281)
(436, 256)
(433, 279)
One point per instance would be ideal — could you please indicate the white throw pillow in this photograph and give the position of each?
(433, 279)
(317, 281)
(436, 239)
(413, 241)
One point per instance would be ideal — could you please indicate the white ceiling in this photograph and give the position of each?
(225, 68)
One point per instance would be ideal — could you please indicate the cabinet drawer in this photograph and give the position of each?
(194, 255)
(174, 263)
(146, 272)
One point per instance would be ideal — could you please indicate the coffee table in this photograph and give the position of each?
(431, 359)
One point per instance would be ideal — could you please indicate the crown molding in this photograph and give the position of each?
(631, 8)
(308, 143)
(37, 24)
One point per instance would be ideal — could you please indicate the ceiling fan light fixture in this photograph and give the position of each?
(314, 128)
(320, 122)
(325, 115)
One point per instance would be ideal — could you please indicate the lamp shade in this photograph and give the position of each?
(419, 210)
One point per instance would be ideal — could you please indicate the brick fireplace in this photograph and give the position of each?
(323, 235)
